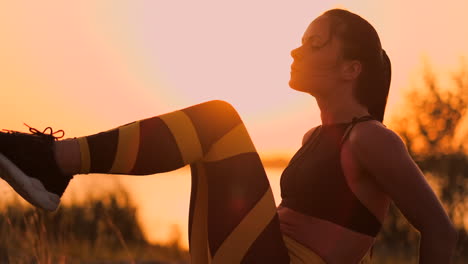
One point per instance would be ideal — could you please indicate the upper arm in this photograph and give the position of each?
(384, 155)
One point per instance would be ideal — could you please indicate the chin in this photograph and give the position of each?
(295, 85)
(300, 87)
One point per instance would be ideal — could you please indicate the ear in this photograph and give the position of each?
(351, 70)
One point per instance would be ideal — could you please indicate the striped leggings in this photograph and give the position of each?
(232, 217)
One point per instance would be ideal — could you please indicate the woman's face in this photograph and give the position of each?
(316, 62)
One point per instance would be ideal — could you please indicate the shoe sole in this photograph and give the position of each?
(31, 189)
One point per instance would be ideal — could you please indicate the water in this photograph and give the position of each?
(162, 199)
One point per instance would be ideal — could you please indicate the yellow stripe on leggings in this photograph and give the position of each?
(367, 259)
(300, 254)
(85, 155)
(127, 148)
(199, 249)
(185, 135)
(236, 245)
(236, 141)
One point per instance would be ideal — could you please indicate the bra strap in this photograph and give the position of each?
(352, 124)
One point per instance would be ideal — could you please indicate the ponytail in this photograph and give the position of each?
(376, 103)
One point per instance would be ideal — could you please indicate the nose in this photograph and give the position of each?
(296, 53)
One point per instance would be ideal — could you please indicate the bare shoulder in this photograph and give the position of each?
(308, 134)
(379, 149)
(374, 135)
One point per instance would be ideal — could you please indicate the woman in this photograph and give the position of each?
(335, 191)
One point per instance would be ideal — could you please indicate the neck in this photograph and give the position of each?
(340, 109)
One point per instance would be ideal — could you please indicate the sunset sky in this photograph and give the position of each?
(88, 66)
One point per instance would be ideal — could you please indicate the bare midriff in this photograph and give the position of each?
(332, 242)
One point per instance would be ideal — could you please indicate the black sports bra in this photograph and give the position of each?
(313, 183)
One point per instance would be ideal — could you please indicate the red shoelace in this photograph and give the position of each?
(44, 132)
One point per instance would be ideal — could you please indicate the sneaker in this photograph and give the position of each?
(33, 157)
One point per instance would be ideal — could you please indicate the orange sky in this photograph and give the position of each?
(94, 65)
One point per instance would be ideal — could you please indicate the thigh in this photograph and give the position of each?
(233, 215)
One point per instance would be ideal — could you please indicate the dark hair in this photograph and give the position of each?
(361, 42)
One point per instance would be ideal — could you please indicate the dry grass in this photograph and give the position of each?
(103, 230)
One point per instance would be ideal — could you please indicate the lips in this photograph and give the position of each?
(294, 68)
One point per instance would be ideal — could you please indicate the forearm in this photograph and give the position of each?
(437, 249)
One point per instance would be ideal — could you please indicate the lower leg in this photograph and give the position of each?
(152, 145)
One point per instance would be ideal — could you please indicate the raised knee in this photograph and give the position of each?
(222, 108)
(222, 105)
(212, 120)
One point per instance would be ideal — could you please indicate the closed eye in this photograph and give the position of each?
(314, 42)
